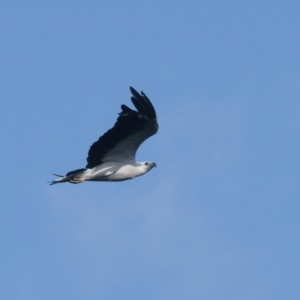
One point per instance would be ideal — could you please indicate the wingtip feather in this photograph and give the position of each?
(142, 103)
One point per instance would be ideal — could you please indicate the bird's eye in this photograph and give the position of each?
(146, 164)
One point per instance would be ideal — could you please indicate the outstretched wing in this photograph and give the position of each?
(132, 128)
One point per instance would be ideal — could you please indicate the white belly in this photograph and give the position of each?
(114, 172)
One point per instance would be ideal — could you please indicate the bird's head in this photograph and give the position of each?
(148, 165)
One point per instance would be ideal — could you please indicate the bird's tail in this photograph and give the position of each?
(72, 177)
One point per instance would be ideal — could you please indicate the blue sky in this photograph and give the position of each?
(219, 217)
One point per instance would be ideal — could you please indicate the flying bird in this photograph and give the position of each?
(112, 157)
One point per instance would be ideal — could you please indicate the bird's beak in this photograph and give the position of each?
(154, 165)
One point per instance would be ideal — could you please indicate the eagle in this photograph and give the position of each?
(112, 156)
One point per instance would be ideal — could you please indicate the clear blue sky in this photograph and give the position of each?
(219, 217)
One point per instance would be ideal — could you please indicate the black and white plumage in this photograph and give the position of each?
(112, 157)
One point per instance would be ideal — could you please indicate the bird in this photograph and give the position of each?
(112, 156)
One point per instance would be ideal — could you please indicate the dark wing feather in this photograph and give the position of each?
(129, 132)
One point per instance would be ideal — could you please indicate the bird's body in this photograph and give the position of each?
(112, 157)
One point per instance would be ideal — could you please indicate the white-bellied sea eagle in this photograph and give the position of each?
(112, 157)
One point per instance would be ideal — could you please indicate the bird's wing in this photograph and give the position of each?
(132, 128)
